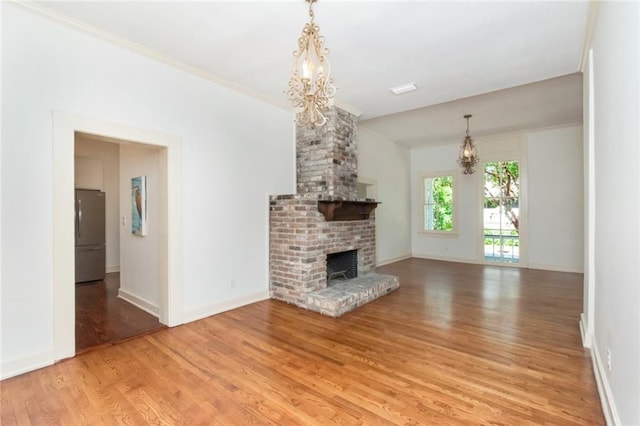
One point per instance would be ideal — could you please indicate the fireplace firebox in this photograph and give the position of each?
(342, 265)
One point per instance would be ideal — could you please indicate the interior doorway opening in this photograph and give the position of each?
(169, 268)
(113, 301)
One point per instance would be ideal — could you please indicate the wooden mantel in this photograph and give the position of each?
(346, 210)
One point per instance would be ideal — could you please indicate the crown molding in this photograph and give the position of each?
(491, 136)
(594, 6)
(145, 51)
(362, 127)
(347, 107)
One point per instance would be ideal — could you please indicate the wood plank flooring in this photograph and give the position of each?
(103, 319)
(455, 344)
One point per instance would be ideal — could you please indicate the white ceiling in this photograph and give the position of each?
(453, 51)
(548, 103)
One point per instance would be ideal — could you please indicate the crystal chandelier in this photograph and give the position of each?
(468, 157)
(311, 87)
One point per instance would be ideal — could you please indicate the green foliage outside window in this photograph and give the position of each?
(502, 189)
(438, 205)
(506, 241)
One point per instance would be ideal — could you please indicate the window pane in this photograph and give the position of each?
(438, 207)
(501, 211)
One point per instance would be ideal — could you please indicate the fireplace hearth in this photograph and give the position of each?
(309, 229)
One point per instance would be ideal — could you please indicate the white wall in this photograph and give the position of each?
(1, 215)
(545, 156)
(616, 97)
(229, 167)
(555, 199)
(140, 256)
(388, 165)
(108, 155)
(463, 245)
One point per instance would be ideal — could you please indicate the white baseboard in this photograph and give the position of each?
(445, 259)
(604, 389)
(586, 337)
(393, 260)
(207, 311)
(141, 303)
(112, 269)
(24, 365)
(556, 268)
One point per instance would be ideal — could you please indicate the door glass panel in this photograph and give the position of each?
(501, 212)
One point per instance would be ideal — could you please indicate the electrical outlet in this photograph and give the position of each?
(608, 359)
(232, 283)
(123, 220)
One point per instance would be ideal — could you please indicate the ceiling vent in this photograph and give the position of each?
(409, 87)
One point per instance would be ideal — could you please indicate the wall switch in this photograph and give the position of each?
(232, 283)
(123, 220)
(608, 359)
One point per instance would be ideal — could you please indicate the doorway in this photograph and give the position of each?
(65, 125)
(114, 303)
(501, 212)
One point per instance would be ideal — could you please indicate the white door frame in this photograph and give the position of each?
(588, 312)
(171, 298)
(509, 148)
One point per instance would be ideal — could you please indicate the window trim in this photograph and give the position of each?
(454, 232)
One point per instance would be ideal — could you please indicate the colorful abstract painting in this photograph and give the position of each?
(139, 206)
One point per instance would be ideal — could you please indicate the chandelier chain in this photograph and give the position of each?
(311, 9)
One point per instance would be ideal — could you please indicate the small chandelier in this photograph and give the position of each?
(468, 157)
(311, 87)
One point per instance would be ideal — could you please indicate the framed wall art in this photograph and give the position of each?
(139, 206)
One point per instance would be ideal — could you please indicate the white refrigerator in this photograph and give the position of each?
(90, 235)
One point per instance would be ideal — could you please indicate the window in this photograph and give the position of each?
(501, 211)
(438, 209)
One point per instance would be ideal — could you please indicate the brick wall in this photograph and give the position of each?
(327, 164)
(299, 236)
(300, 240)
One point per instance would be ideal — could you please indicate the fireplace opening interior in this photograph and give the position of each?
(342, 266)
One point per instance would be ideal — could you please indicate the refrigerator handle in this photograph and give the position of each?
(79, 219)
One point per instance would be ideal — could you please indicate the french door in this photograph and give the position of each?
(501, 212)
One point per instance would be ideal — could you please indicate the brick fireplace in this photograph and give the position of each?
(323, 218)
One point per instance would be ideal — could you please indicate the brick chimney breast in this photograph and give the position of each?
(301, 237)
(327, 158)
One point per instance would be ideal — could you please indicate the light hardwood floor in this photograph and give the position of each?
(455, 344)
